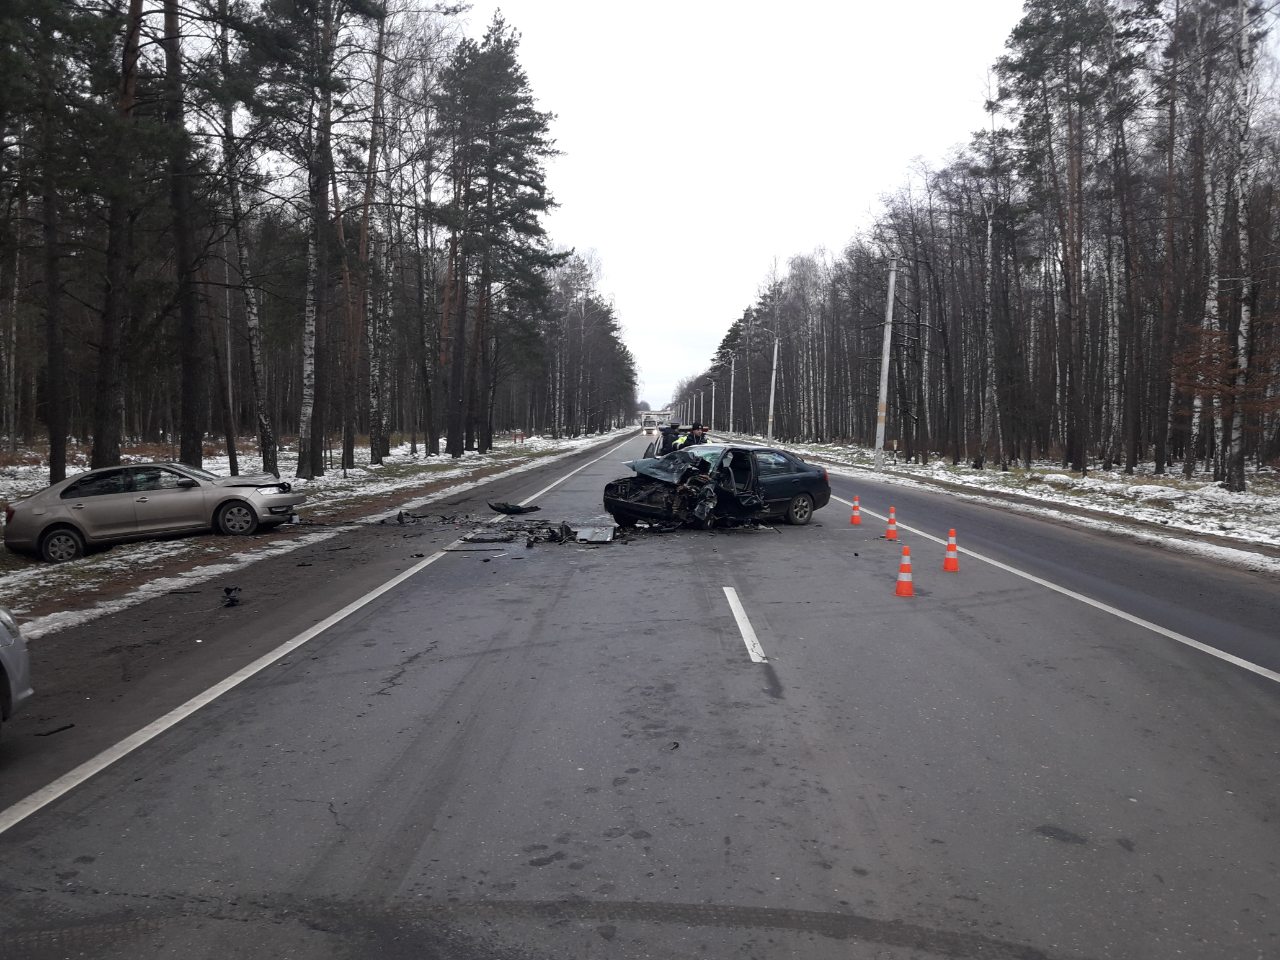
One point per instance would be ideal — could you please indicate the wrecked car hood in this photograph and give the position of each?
(672, 468)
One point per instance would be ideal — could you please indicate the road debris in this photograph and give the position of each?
(512, 508)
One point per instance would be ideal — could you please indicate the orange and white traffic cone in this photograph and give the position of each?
(905, 587)
(855, 518)
(951, 563)
(892, 532)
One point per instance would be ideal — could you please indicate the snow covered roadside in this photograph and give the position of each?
(21, 589)
(1189, 508)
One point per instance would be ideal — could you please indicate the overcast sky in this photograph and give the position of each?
(707, 140)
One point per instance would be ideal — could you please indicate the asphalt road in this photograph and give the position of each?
(566, 751)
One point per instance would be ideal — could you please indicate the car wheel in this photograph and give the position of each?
(236, 519)
(800, 509)
(60, 545)
(625, 519)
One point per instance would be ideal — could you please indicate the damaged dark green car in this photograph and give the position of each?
(718, 485)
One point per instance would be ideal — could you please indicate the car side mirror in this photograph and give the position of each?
(188, 482)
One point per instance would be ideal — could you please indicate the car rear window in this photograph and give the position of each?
(97, 485)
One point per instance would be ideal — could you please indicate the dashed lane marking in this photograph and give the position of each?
(754, 650)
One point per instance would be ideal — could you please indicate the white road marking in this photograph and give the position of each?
(24, 808)
(748, 632)
(1096, 604)
(550, 486)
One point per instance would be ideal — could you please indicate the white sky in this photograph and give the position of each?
(705, 141)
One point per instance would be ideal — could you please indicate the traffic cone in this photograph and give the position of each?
(855, 518)
(951, 564)
(892, 532)
(905, 587)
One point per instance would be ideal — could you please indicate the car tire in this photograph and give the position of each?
(60, 545)
(626, 520)
(235, 519)
(800, 509)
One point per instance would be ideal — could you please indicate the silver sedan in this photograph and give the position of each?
(113, 504)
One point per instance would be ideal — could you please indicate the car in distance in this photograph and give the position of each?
(711, 482)
(15, 669)
(139, 501)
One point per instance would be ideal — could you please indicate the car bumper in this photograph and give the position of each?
(278, 507)
(620, 496)
(19, 544)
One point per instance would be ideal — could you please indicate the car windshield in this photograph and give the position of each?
(707, 451)
(194, 471)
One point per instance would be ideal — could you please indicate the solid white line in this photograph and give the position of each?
(748, 632)
(69, 781)
(552, 486)
(1096, 604)
(73, 778)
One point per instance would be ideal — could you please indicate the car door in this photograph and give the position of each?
(101, 504)
(163, 505)
(777, 478)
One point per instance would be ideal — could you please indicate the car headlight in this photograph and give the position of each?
(275, 488)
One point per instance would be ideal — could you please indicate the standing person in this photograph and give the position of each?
(668, 441)
(697, 435)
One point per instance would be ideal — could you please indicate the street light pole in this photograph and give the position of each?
(882, 407)
(773, 383)
(700, 406)
(711, 422)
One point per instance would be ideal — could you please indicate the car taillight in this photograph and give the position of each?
(825, 478)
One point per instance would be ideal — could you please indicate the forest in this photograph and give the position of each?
(1094, 279)
(310, 222)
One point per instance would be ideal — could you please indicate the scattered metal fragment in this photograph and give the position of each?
(512, 508)
(230, 596)
(50, 733)
(594, 534)
(482, 536)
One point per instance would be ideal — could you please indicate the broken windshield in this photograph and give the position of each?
(674, 466)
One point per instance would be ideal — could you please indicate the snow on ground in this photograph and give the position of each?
(24, 581)
(1193, 508)
(1197, 505)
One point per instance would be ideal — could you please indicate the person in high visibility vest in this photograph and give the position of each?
(697, 435)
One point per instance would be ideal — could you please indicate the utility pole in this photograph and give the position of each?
(733, 360)
(773, 382)
(711, 422)
(882, 408)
